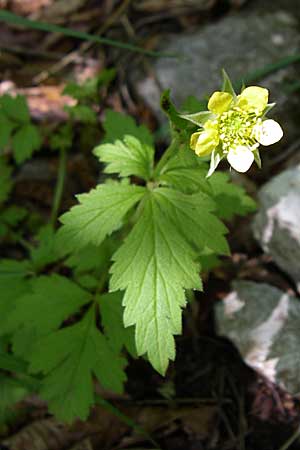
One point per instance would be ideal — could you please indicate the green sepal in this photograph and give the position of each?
(227, 85)
(199, 118)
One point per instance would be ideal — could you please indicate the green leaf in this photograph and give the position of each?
(14, 284)
(13, 215)
(92, 258)
(100, 212)
(170, 110)
(230, 199)
(83, 113)
(52, 300)
(186, 173)
(6, 182)
(112, 321)
(117, 125)
(11, 392)
(62, 139)
(89, 90)
(6, 128)
(46, 251)
(227, 85)
(157, 262)
(129, 157)
(68, 358)
(15, 108)
(25, 141)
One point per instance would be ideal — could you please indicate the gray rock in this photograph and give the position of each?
(241, 43)
(277, 223)
(263, 323)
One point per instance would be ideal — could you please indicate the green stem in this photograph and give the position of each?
(62, 168)
(168, 154)
(9, 17)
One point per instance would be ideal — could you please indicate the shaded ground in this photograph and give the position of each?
(209, 399)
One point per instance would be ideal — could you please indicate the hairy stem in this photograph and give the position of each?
(168, 154)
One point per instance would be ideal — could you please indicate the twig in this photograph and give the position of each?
(73, 56)
(291, 440)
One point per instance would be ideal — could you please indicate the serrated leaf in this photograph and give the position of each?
(184, 173)
(112, 321)
(230, 199)
(15, 108)
(194, 215)
(52, 299)
(6, 182)
(154, 266)
(157, 262)
(100, 212)
(117, 125)
(129, 157)
(68, 358)
(14, 284)
(25, 141)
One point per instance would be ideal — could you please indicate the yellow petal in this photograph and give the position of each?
(194, 139)
(253, 98)
(204, 142)
(220, 102)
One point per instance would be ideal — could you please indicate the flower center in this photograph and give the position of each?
(236, 127)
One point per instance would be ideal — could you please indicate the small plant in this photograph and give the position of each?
(129, 253)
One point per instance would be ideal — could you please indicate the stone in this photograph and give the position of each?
(276, 224)
(240, 43)
(263, 323)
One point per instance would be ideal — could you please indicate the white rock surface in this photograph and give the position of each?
(264, 324)
(277, 223)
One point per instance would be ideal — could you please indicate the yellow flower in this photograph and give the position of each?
(234, 127)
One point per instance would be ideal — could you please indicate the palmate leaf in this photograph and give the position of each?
(112, 321)
(51, 300)
(230, 199)
(99, 213)
(117, 125)
(68, 358)
(158, 261)
(25, 141)
(129, 157)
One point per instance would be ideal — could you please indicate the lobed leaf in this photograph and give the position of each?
(99, 213)
(129, 157)
(69, 358)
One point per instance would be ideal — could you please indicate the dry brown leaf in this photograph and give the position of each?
(45, 434)
(25, 7)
